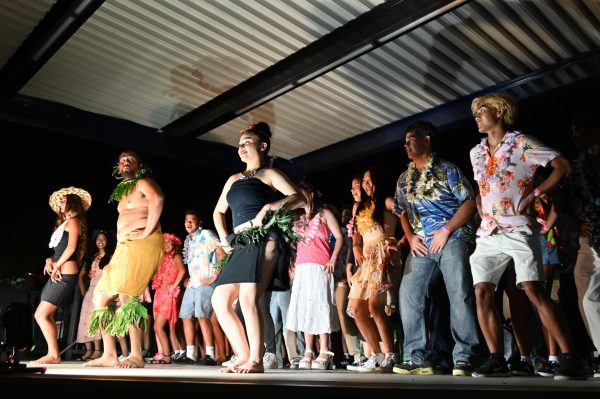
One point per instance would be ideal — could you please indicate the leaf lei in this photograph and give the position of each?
(281, 220)
(421, 187)
(126, 186)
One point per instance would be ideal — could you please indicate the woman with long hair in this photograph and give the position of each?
(69, 241)
(372, 280)
(312, 307)
(92, 269)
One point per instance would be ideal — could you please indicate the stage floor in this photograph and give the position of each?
(161, 379)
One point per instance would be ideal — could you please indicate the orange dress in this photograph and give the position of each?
(372, 277)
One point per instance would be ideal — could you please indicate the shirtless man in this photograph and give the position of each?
(139, 252)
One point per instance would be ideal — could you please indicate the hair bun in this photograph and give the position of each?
(261, 129)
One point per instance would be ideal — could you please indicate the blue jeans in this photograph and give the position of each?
(453, 263)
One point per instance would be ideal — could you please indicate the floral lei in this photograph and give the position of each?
(126, 186)
(422, 186)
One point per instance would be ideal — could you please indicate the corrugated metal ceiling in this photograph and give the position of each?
(151, 62)
(18, 20)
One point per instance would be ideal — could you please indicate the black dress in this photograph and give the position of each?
(246, 198)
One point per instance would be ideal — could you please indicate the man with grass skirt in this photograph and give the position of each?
(139, 252)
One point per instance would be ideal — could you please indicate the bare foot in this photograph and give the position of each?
(250, 367)
(132, 363)
(97, 354)
(103, 361)
(234, 366)
(48, 359)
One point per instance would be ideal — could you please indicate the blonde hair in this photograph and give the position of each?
(497, 102)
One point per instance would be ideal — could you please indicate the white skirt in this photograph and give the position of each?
(312, 305)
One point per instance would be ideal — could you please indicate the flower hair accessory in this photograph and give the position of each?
(251, 126)
(173, 238)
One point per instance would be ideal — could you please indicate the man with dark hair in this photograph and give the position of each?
(586, 137)
(139, 251)
(200, 251)
(435, 202)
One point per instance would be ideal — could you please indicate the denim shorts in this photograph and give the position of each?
(549, 254)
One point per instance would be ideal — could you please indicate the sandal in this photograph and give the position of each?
(85, 356)
(323, 362)
(161, 358)
(306, 362)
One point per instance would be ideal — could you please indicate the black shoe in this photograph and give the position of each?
(493, 367)
(520, 368)
(440, 369)
(463, 369)
(184, 360)
(207, 361)
(408, 367)
(548, 369)
(571, 368)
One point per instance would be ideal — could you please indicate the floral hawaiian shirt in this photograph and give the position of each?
(199, 255)
(504, 175)
(445, 189)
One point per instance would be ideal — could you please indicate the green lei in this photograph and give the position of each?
(126, 186)
(282, 220)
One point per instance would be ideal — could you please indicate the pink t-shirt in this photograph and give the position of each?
(504, 175)
(313, 246)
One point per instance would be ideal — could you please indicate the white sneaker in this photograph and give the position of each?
(230, 362)
(270, 361)
(370, 366)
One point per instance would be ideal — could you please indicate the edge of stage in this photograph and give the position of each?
(178, 379)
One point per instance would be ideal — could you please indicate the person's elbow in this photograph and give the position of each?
(563, 165)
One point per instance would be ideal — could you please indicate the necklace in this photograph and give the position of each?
(249, 174)
(126, 186)
(422, 185)
(57, 235)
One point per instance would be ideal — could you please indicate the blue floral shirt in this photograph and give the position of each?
(199, 255)
(445, 190)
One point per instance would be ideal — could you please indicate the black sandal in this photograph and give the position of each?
(85, 357)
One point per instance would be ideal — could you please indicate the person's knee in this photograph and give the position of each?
(484, 295)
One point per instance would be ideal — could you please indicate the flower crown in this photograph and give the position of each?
(174, 239)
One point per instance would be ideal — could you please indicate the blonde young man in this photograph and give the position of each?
(504, 163)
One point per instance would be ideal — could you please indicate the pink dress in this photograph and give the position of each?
(166, 301)
(87, 306)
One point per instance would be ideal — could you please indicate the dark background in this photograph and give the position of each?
(37, 162)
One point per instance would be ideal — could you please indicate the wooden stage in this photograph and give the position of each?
(72, 379)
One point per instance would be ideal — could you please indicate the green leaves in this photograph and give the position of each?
(126, 186)
(281, 221)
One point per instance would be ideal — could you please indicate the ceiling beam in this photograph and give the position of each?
(57, 26)
(66, 120)
(365, 33)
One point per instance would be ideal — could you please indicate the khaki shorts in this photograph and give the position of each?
(493, 254)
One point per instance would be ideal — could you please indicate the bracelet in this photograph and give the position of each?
(536, 192)
(333, 257)
(446, 230)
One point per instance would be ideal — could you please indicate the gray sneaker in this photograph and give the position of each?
(270, 361)
(387, 365)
